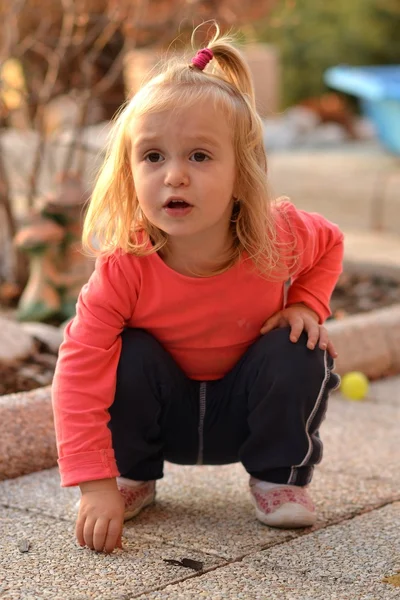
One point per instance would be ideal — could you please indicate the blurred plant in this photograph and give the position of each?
(313, 35)
(58, 47)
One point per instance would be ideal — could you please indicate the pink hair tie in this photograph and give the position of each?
(202, 58)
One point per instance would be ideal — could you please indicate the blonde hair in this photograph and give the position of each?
(114, 216)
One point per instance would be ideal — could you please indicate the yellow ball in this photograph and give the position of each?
(354, 385)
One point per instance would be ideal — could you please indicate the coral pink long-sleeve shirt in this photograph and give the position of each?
(206, 324)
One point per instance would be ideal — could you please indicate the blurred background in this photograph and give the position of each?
(328, 90)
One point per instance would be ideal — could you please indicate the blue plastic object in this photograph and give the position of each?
(378, 89)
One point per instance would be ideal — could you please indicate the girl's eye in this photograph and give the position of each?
(199, 157)
(154, 157)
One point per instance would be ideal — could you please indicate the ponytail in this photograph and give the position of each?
(231, 65)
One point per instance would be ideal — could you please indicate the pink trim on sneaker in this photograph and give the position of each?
(284, 506)
(270, 501)
(137, 497)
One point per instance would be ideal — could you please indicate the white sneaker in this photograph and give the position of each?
(137, 495)
(284, 506)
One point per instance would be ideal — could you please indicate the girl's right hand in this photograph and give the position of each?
(101, 516)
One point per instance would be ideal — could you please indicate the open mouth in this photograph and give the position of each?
(177, 204)
(177, 207)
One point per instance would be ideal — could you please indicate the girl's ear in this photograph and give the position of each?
(237, 191)
(235, 209)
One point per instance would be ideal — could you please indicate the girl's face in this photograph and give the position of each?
(183, 166)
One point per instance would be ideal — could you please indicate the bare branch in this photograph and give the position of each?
(5, 195)
(37, 156)
(34, 40)
(98, 46)
(39, 47)
(17, 272)
(109, 79)
(75, 147)
(10, 29)
(102, 40)
(56, 57)
(20, 173)
(85, 38)
(116, 68)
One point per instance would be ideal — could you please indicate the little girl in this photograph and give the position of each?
(187, 345)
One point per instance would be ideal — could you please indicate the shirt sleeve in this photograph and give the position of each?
(85, 377)
(317, 259)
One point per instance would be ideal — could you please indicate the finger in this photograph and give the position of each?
(100, 534)
(313, 331)
(270, 324)
(331, 349)
(296, 328)
(323, 338)
(113, 535)
(79, 531)
(88, 532)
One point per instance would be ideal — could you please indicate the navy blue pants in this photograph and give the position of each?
(265, 412)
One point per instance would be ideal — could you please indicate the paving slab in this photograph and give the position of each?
(343, 562)
(208, 508)
(55, 567)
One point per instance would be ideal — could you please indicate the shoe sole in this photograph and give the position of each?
(287, 516)
(133, 513)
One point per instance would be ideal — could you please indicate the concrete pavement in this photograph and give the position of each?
(204, 513)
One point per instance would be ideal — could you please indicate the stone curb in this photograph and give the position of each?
(367, 342)
(27, 437)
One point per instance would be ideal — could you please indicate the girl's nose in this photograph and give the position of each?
(176, 175)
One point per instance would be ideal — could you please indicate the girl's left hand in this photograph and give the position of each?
(299, 317)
